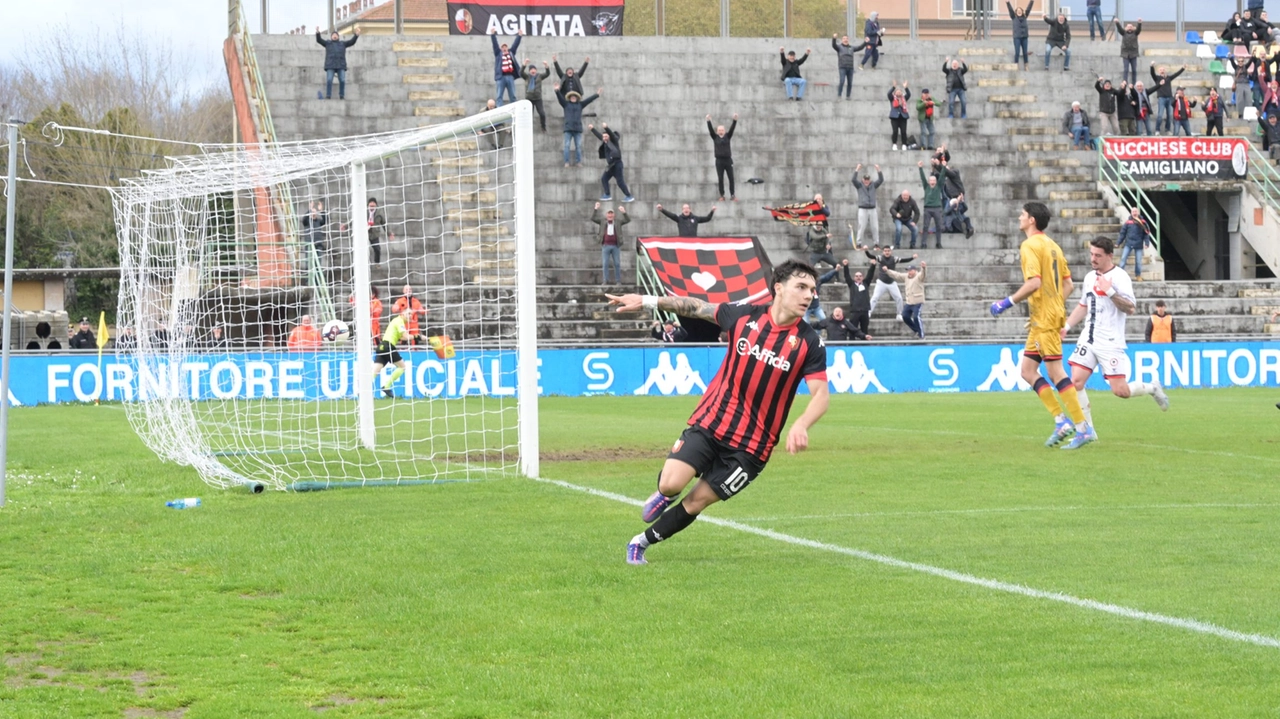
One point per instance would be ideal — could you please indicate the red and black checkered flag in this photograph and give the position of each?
(800, 213)
(714, 269)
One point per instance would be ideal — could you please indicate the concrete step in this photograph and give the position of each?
(437, 95)
(428, 79)
(423, 62)
(427, 111)
(416, 46)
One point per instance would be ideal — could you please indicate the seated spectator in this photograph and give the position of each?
(1075, 123)
(1059, 37)
(305, 337)
(955, 219)
(841, 328)
(1107, 106)
(83, 339)
(1182, 113)
(1160, 327)
(33, 345)
(791, 77)
(905, 213)
(686, 221)
(53, 345)
(1231, 33)
(668, 332)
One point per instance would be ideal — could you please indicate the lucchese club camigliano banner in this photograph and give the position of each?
(557, 18)
(1180, 158)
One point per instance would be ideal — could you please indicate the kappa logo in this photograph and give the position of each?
(1004, 373)
(744, 347)
(680, 378)
(851, 374)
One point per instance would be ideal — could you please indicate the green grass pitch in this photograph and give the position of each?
(511, 598)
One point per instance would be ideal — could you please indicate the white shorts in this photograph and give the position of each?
(1112, 361)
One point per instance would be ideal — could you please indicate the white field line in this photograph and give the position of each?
(1009, 510)
(1191, 625)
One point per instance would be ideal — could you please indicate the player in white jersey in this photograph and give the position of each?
(1105, 303)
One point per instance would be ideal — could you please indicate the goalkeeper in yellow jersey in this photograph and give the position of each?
(397, 330)
(1046, 286)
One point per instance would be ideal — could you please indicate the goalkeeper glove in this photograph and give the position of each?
(1000, 306)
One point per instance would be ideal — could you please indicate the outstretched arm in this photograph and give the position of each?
(683, 306)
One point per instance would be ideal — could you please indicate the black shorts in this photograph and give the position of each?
(726, 470)
(387, 354)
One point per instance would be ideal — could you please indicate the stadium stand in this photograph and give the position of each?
(657, 92)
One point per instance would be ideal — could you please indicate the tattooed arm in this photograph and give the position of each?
(684, 306)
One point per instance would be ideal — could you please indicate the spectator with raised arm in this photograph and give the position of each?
(859, 296)
(845, 62)
(505, 67)
(1182, 113)
(571, 81)
(913, 280)
(687, 222)
(1271, 136)
(614, 169)
(905, 213)
(885, 262)
(533, 89)
(955, 70)
(867, 215)
(1126, 109)
(956, 217)
(1213, 113)
(335, 61)
(1021, 31)
(1162, 86)
(1142, 109)
(1075, 123)
(1059, 38)
(1107, 106)
(573, 104)
(1129, 50)
(933, 209)
(791, 77)
(609, 230)
(668, 332)
(841, 328)
(898, 113)
(722, 139)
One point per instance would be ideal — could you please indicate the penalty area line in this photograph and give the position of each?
(1192, 625)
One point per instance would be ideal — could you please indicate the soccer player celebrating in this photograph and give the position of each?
(397, 330)
(1046, 285)
(1106, 301)
(736, 425)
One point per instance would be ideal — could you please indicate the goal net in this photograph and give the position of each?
(259, 283)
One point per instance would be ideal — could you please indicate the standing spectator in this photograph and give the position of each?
(905, 213)
(859, 297)
(840, 328)
(668, 332)
(721, 138)
(1213, 113)
(505, 67)
(872, 31)
(533, 90)
(686, 221)
(1162, 86)
(609, 229)
(867, 215)
(613, 166)
(335, 62)
(932, 209)
(1135, 236)
(956, 218)
(817, 239)
(1243, 76)
(955, 71)
(1126, 109)
(1129, 50)
(573, 103)
(1093, 13)
(417, 311)
(83, 339)
(913, 280)
(377, 225)
(924, 113)
(126, 342)
(1021, 32)
(1075, 122)
(1059, 37)
(1107, 106)
(313, 224)
(375, 312)
(814, 313)
(569, 81)
(791, 77)
(845, 63)
(1182, 113)
(305, 337)
(898, 97)
(885, 263)
(1142, 111)
(1271, 136)
(1160, 327)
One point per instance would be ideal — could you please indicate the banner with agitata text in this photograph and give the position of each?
(1180, 158)
(557, 18)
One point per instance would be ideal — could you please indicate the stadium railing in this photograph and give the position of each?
(1116, 177)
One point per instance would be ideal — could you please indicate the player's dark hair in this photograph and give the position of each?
(1040, 213)
(1106, 244)
(1160, 303)
(791, 268)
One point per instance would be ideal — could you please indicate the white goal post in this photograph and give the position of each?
(257, 282)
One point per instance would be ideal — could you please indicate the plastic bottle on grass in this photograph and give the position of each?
(187, 503)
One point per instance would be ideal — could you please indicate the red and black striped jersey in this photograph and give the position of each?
(747, 402)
